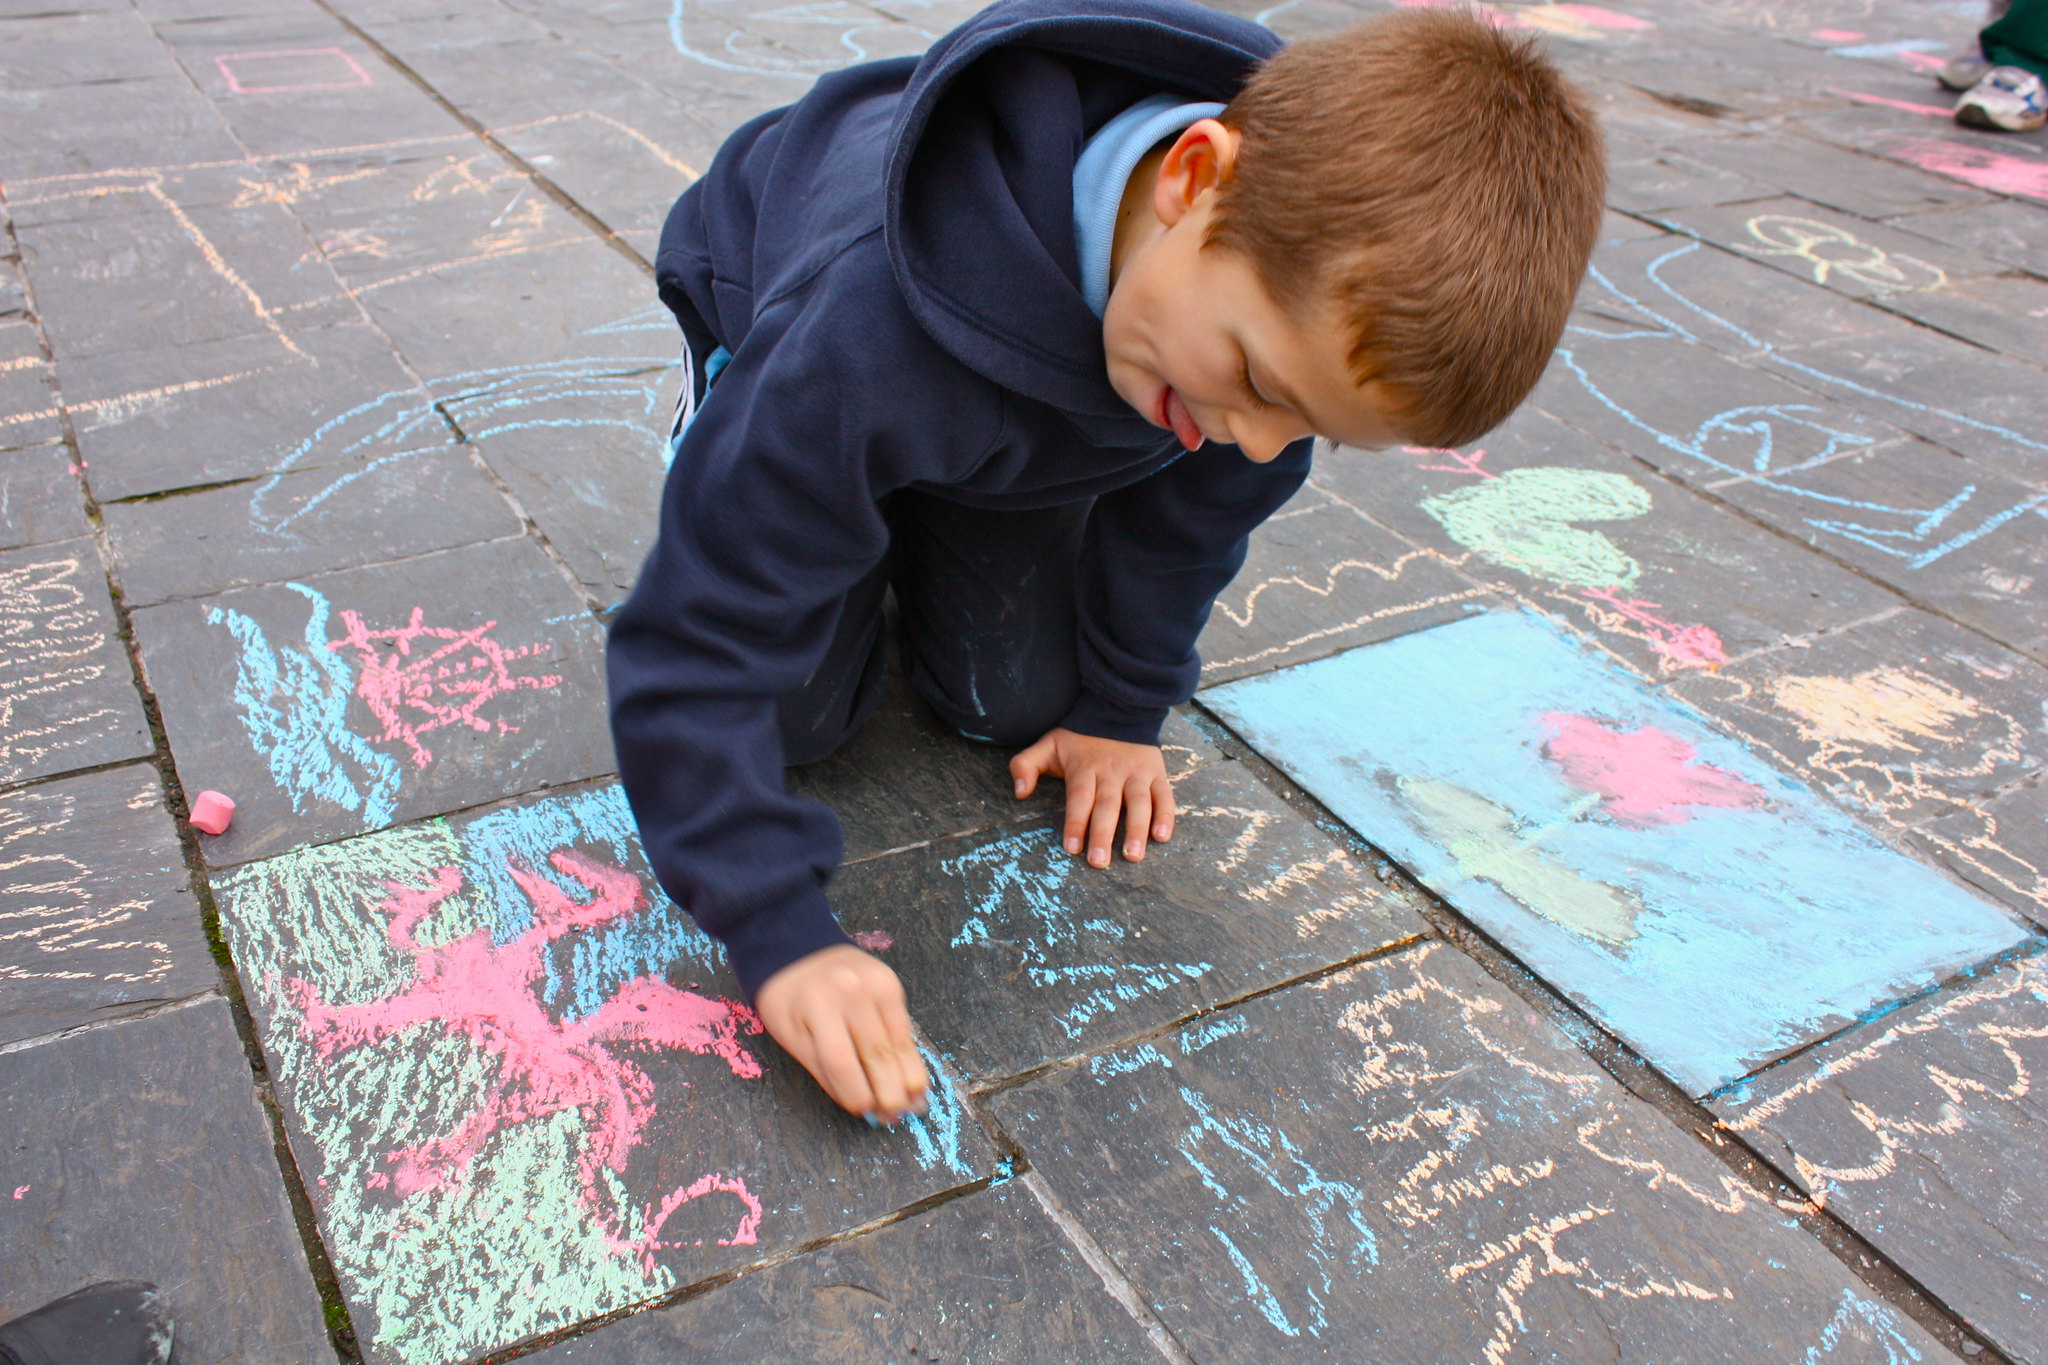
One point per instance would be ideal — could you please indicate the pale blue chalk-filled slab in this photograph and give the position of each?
(1522, 777)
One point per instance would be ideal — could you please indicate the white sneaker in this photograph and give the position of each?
(1962, 73)
(2009, 98)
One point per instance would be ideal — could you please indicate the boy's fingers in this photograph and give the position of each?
(1162, 809)
(1102, 825)
(879, 1061)
(1137, 818)
(1025, 768)
(836, 1066)
(1080, 801)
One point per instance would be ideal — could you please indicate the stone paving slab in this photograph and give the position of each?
(1403, 1163)
(987, 1278)
(1837, 179)
(1628, 854)
(67, 695)
(1981, 405)
(2004, 230)
(39, 500)
(1849, 255)
(2001, 314)
(79, 129)
(155, 420)
(98, 907)
(1906, 718)
(1943, 530)
(139, 1151)
(130, 267)
(1669, 580)
(2000, 845)
(359, 699)
(589, 1118)
(1322, 577)
(907, 778)
(1923, 1131)
(1639, 181)
(583, 449)
(305, 522)
(1066, 958)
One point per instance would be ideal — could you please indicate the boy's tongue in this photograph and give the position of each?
(1183, 425)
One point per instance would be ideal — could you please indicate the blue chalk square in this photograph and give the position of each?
(1706, 908)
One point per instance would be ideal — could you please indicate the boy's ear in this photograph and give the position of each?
(1201, 159)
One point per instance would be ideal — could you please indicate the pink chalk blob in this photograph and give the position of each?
(455, 674)
(1980, 166)
(1836, 35)
(1887, 102)
(20, 1190)
(487, 994)
(1593, 16)
(1645, 777)
(875, 940)
(1694, 646)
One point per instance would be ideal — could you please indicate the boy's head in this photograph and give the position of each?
(1385, 230)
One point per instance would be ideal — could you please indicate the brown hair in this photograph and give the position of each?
(1441, 182)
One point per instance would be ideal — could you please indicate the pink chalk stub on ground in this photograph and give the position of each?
(211, 813)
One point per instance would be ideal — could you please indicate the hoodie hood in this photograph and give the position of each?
(981, 166)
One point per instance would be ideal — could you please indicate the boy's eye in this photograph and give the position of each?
(1244, 380)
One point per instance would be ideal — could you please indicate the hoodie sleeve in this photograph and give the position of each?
(1158, 552)
(768, 518)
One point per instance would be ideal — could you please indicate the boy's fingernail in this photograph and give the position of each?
(1073, 845)
(1020, 789)
(1134, 848)
(1160, 832)
(1099, 856)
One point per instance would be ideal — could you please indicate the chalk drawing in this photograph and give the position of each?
(1999, 172)
(1784, 439)
(343, 69)
(1900, 1121)
(1828, 250)
(732, 35)
(56, 919)
(1433, 747)
(50, 633)
(294, 698)
(1016, 902)
(1527, 519)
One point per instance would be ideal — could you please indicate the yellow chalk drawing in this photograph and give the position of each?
(1830, 250)
(55, 916)
(1885, 708)
(1486, 843)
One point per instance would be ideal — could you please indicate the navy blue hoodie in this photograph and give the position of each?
(891, 261)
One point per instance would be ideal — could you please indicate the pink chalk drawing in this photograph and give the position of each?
(1694, 646)
(1836, 35)
(1645, 776)
(1925, 63)
(2000, 172)
(1594, 16)
(874, 940)
(342, 65)
(20, 1190)
(474, 989)
(455, 676)
(1885, 101)
(1460, 464)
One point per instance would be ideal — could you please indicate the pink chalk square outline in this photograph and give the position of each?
(226, 63)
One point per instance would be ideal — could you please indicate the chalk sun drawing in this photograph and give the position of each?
(485, 994)
(1022, 908)
(456, 674)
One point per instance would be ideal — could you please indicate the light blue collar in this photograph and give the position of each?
(1104, 168)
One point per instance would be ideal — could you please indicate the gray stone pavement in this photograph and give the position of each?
(331, 380)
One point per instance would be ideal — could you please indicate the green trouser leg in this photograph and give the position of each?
(2020, 38)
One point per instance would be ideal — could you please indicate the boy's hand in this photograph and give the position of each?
(1105, 778)
(840, 1012)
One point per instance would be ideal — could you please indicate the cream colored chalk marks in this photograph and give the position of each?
(1925, 1131)
(1406, 1132)
(66, 696)
(97, 914)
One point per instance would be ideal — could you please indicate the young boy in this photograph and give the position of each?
(1035, 330)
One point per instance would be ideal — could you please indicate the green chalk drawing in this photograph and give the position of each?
(1526, 520)
(1486, 843)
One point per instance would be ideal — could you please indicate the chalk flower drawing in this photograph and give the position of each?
(485, 993)
(454, 676)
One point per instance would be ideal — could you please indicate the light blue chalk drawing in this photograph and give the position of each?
(731, 36)
(1786, 439)
(1707, 909)
(293, 703)
(658, 941)
(1127, 1060)
(1857, 1318)
(935, 1134)
(1885, 52)
(1023, 910)
(1339, 1240)
(578, 393)
(1198, 1036)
